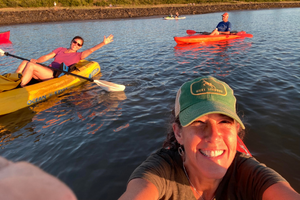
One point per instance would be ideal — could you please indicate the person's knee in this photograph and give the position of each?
(24, 62)
(29, 67)
(21, 67)
(215, 32)
(30, 64)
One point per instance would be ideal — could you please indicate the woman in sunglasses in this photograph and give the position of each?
(69, 56)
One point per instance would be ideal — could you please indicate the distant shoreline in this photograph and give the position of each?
(43, 15)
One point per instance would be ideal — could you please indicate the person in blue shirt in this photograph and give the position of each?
(224, 27)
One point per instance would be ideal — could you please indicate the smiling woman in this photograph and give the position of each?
(69, 56)
(199, 159)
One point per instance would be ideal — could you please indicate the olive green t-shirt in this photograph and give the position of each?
(245, 179)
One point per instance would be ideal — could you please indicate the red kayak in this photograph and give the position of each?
(4, 36)
(196, 38)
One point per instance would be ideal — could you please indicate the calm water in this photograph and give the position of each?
(92, 140)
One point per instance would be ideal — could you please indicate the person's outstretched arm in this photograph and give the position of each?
(44, 58)
(41, 59)
(279, 191)
(25, 181)
(140, 189)
(106, 40)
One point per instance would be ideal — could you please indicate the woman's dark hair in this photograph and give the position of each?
(171, 142)
(78, 37)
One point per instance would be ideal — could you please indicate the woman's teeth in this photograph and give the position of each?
(208, 153)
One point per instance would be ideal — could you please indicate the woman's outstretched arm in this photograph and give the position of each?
(106, 40)
(281, 190)
(140, 189)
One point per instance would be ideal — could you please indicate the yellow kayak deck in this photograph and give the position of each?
(16, 99)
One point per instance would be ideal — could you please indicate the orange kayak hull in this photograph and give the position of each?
(197, 38)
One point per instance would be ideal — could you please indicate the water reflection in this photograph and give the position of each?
(85, 103)
(7, 46)
(11, 123)
(215, 57)
(90, 104)
(106, 107)
(5, 43)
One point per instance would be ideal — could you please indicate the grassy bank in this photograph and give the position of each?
(103, 3)
(26, 15)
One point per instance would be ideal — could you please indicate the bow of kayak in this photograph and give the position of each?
(4, 37)
(196, 38)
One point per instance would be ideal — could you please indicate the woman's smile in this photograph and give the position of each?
(210, 144)
(211, 154)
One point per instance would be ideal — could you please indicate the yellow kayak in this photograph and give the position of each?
(16, 99)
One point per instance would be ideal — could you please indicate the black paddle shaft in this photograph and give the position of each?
(89, 79)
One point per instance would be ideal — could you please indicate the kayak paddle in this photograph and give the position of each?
(108, 86)
(241, 147)
(191, 32)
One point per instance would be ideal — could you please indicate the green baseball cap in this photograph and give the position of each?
(202, 96)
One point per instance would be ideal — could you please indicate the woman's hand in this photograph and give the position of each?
(109, 39)
(106, 40)
(33, 60)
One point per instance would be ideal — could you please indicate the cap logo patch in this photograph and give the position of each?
(208, 86)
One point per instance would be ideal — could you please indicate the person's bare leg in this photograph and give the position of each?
(33, 70)
(21, 66)
(215, 32)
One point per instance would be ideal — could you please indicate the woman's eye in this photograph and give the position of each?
(225, 121)
(198, 123)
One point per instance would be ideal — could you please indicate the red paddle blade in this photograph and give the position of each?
(190, 32)
(241, 147)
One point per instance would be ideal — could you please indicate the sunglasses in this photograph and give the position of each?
(77, 43)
